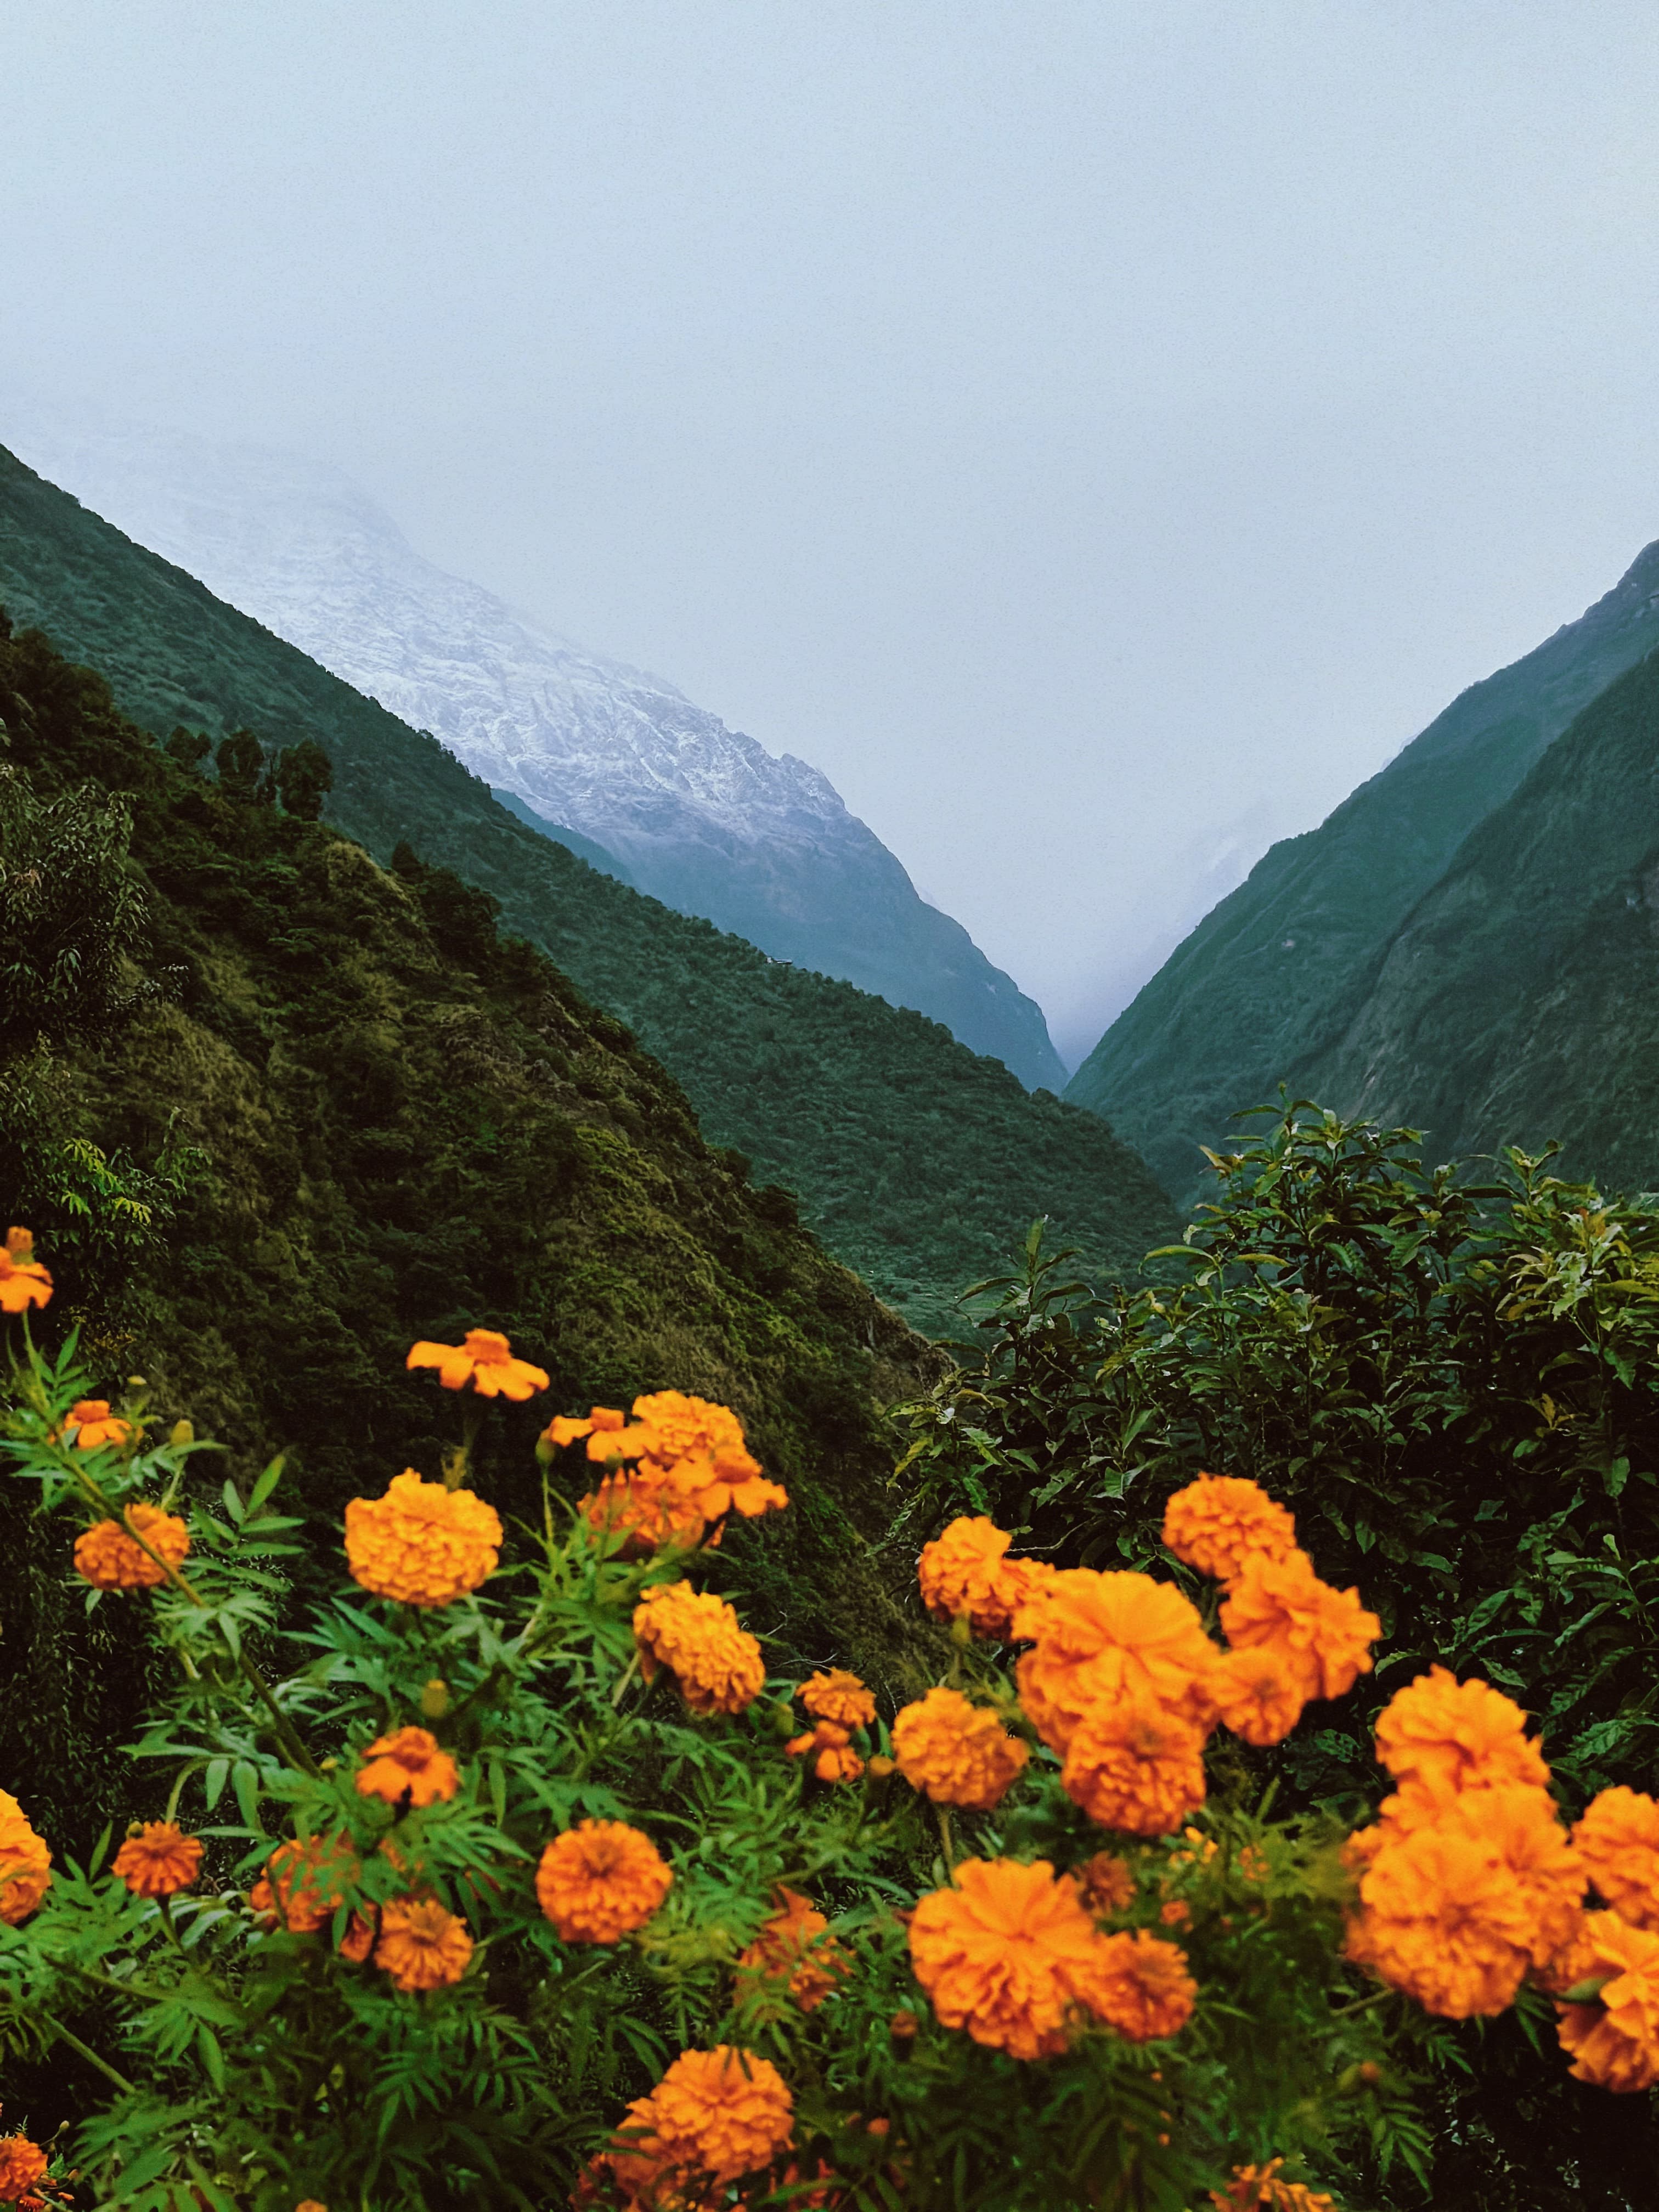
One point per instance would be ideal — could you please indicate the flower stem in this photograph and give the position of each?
(85, 2051)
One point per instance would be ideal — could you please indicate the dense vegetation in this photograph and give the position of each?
(918, 1163)
(793, 1959)
(1517, 1002)
(1267, 987)
(1455, 1385)
(280, 1112)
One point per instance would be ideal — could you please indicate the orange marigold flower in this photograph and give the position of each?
(159, 1861)
(795, 1948)
(1323, 1635)
(1438, 1737)
(1618, 1840)
(421, 1544)
(304, 1882)
(1453, 1912)
(408, 1763)
(1144, 1990)
(422, 1945)
(1176, 1913)
(1253, 1863)
(1258, 2189)
(1106, 1882)
(701, 1449)
(310, 2204)
(89, 1423)
(697, 1638)
(1216, 1522)
(965, 1570)
(22, 2163)
(1135, 1766)
(690, 1445)
(835, 1761)
(108, 1558)
(25, 1863)
(1010, 1954)
(484, 1358)
(23, 1281)
(1615, 2041)
(641, 1511)
(833, 1694)
(600, 1880)
(715, 2115)
(956, 1753)
(1100, 1634)
(1257, 1693)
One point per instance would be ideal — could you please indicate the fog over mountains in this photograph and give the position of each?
(616, 762)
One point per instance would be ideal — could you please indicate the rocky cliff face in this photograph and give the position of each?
(700, 816)
(1270, 985)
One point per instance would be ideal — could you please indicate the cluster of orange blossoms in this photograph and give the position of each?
(23, 1281)
(1468, 1883)
(22, 2168)
(794, 1950)
(838, 1703)
(1012, 1954)
(112, 1558)
(677, 1467)
(421, 1544)
(25, 1863)
(697, 1638)
(715, 2116)
(600, 1880)
(158, 1859)
(419, 1943)
(1122, 1680)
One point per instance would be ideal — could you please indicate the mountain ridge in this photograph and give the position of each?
(698, 815)
(918, 1163)
(1265, 989)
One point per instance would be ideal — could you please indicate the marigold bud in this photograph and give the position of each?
(435, 1699)
(182, 1432)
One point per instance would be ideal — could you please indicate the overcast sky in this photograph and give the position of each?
(1096, 435)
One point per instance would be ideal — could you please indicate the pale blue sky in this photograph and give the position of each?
(1089, 433)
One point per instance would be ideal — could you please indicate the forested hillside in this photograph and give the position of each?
(920, 1163)
(1267, 987)
(1520, 1001)
(278, 1113)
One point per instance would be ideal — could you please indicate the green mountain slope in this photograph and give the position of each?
(1520, 999)
(920, 1163)
(359, 1118)
(1266, 988)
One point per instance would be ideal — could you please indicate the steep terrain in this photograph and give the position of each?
(1265, 990)
(1520, 999)
(921, 1165)
(700, 816)
(358, 1117)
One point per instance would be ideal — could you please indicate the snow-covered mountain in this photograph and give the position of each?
(653, 787)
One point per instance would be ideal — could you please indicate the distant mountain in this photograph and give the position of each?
(1519, 1000)
(701, 817)
(919, 1164)
(1268, 987)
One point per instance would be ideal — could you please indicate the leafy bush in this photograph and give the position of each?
(1453, 1382)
